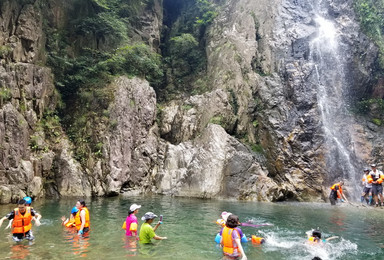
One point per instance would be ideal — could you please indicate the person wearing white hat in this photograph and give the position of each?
(146, 231)
(131, 221)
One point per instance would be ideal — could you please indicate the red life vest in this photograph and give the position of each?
(78, 219)
(22, 223)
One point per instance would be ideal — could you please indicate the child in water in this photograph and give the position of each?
(316, 237)
(70, 222)
(230, 240)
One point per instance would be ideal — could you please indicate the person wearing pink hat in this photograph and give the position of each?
(131, 221)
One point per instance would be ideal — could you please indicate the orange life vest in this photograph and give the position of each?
(78, 219)
(71, 222)
(378, 177)
(257, 240)
(22, 223)
(340, 189)
(227, 241)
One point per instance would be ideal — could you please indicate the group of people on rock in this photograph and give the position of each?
(373, 187)
(372, 192)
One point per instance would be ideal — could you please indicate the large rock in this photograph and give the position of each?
(213, 165)
(130, 146)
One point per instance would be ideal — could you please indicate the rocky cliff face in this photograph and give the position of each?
(258, 67)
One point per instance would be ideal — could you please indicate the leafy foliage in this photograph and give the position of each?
(186, 55)
(371, 15)
(105, 24)
(207, 12)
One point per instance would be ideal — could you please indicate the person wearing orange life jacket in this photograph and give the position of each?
(82, 218)
(376, 177)
(230, 241)
(28, 202)
(367, 188)
(70, 222)
(337, 193)
(22, 217)
(221, 222)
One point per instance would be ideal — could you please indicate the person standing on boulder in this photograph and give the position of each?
(376, 177)
(337, 193)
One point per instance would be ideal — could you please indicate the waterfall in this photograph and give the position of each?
(329, 79)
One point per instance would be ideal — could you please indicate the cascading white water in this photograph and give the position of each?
(332, 87)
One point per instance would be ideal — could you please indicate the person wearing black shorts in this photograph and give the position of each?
(367, 191)
(376, 177)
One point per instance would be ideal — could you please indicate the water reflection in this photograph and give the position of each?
(79, 244)
(338, 219)
(19, 251)
(131, 245)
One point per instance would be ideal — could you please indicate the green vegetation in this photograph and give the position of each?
(377, 121)
(186, 56)
(5, 51)
(366, 106)
(5, 95)
(207, 12)
(371, 17)
(85, 55)
(372, 108)
(218, 120)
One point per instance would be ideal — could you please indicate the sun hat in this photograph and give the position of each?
(134, 207)
(225, 215)
(149, 215)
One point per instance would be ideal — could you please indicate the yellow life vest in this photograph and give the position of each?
(78, 219)
(227, 240)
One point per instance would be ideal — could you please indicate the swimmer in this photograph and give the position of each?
(315, 237)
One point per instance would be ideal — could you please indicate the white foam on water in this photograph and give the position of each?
(295, 245)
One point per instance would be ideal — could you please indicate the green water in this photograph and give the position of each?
(190, 228)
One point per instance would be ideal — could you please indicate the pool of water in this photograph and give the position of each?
(190, 227)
